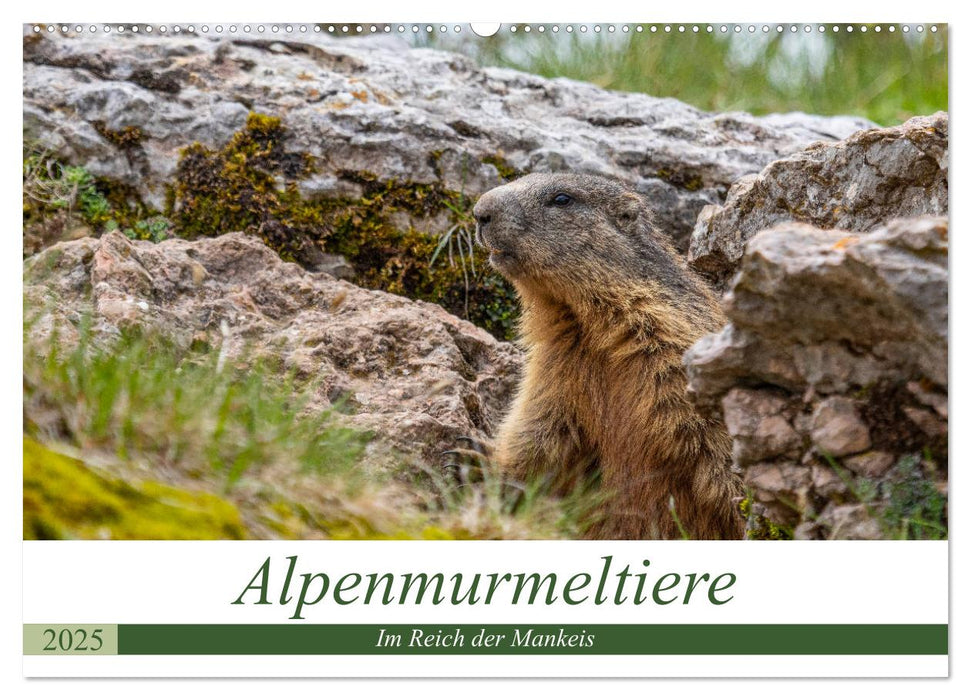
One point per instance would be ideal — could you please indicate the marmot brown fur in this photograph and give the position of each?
(608, 310)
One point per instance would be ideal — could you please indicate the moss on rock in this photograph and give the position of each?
(251, 185)
(758, 527)
(65, 499)
(127, 138)
(505, 169)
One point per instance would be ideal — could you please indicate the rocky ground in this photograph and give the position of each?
(827, 235)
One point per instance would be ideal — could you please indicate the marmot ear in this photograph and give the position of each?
(627, 210)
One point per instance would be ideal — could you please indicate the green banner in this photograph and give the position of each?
(311, 639)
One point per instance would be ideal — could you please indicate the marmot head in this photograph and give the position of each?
(555, 233)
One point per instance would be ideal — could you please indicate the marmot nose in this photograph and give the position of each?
(483, 210)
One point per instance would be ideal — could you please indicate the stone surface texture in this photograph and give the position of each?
(832, 374)
(415, 375)
(856, 184)
(373, 104)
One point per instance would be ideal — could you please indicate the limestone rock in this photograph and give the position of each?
(836, 351)
(783, 489)
(408, 370)
(837, 429)
(756, 422)
(829, 310)
(828, 483)
(850, 522)
(374, 105)
(870, 464)
(855, 185)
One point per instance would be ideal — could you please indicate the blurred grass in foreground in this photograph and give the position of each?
(132, 438)
(196, 413)
(887, 76)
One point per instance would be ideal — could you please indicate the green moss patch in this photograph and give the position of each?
(251, 185)
(66, 499)
(758, 527)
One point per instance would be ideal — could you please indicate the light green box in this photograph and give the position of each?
(77, 640)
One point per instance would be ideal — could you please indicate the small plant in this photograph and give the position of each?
(49, 185)
(906, 502)
(155, 229)
(44, 183)
(52, 189)
(915, 509)
(63, 201)
(458, 242)
(92, 205)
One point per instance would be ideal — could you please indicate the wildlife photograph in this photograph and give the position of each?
(485, 282)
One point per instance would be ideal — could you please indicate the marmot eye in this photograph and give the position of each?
(561, 199)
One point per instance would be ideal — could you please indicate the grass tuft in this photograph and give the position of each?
(140, 397)
(906, 501)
